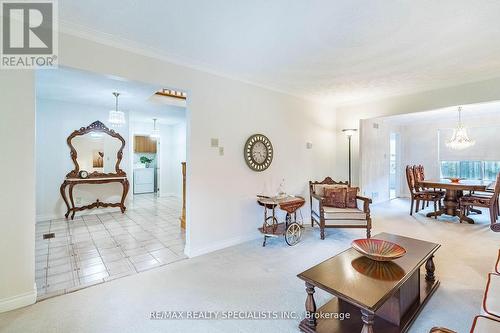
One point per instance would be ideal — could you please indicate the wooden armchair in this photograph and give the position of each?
(331, 217)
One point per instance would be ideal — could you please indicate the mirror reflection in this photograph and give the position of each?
(384, 271)
(96, 152)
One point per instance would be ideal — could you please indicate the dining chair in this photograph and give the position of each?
(418, 172)
(480, 200)
(418, 196)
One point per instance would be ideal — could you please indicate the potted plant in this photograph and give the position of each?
(145, 160)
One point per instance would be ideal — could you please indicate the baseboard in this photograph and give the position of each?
(169, 194)
(48, 217)
(18, 301)
(43, 218)
(221, 245)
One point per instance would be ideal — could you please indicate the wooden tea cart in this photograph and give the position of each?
(291, 229)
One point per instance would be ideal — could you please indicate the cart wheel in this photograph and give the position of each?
(293, 233)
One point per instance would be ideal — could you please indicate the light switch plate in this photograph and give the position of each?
(309, 145)
(221, 151)
(214, 142)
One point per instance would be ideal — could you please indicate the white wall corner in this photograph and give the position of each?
(18, 301)
(191, 253)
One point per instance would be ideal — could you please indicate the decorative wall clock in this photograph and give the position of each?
(258, 152)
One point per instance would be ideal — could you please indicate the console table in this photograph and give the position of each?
(72, 182)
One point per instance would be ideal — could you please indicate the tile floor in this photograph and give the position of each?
(96, 248)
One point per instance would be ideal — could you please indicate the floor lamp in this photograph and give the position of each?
(349, 133)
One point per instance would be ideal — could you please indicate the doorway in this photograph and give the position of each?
(102, 243)
(394, 175)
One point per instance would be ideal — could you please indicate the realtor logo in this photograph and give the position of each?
(29, 34)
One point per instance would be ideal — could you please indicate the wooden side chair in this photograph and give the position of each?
(421, 196)
(481, 324)
(491, 301)
(419, 172)
(326, 216)
(490, 202)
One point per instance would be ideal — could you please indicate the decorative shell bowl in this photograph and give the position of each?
(377, 249)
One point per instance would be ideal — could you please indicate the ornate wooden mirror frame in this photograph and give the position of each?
(96, 126)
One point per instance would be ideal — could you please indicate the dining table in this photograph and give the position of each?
(454, 191)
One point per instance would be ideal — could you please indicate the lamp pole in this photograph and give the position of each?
(349, 132)
(349, 139)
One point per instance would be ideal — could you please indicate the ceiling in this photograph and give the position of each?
(76, 86)
(449, 114)
(334, 51)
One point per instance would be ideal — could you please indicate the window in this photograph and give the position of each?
(486, 170)
(491, 170)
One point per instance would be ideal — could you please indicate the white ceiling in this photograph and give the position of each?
(71, 85)
(469, 112)
(336, 51)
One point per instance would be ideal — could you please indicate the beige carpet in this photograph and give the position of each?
(249, 277)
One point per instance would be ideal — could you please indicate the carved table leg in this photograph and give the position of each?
(125, 184)
(63, 194)
(71, 200)
(430, 268)
(310, 306)
(368, 319)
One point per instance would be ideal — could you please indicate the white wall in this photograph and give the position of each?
(221, 206)
(17, 194)
(172, 153)
(55, 121)
(221, 189)
(375, 159)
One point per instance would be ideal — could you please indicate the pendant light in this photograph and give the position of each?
(155, 134)
(460, 139)
(116, 117)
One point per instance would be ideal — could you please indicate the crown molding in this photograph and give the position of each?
(125, 44)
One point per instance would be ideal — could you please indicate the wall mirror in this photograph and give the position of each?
(97, 150)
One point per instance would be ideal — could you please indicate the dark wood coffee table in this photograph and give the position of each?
(380, 297)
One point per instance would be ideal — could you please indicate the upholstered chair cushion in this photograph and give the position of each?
(319, 189)
(491, 301)
(484, 324)
(350, 200)
(335, 197)
(352, 214)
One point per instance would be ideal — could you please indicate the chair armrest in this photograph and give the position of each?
(318, 197)
(441, 330)
(366, 203)
(365, 199)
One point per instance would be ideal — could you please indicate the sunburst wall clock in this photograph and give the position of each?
(258, 152)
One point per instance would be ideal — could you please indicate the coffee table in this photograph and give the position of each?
(380, 297)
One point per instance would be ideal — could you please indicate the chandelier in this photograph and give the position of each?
(460, 139)
(155, 134)
(116, 118)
